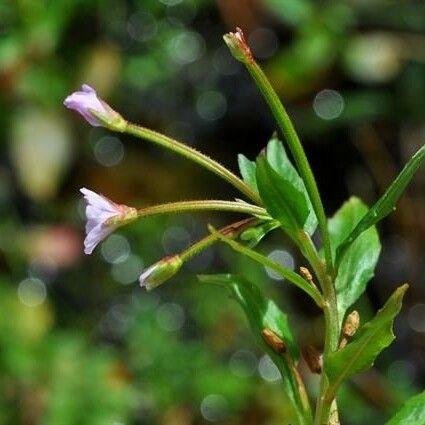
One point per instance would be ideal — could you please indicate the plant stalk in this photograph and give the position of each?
(195, 156)
(330, 311)
(231, 231)
(297, 151)
(203, 205)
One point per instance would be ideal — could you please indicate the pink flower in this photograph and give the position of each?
(85, 100)
(103, 217)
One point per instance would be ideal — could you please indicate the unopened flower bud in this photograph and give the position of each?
(273, 340)
(160, 272)
(238, 46)
(96, 112)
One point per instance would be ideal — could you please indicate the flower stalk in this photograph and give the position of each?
(99, 114)
(166, 268)
(195, 156)
(208, 205)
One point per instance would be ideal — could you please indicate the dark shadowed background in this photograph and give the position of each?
(80, 342)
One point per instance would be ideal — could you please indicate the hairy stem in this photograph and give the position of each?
(213, 205)
(288, 274)
(330, 311)
(297, 151)
(231, 231)
(195, 156)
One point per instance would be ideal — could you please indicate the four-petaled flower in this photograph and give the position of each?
(103, 217)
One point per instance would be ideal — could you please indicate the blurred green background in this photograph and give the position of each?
(80, 342)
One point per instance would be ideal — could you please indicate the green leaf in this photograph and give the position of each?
(261, 312)
(254, 235)
(283, 192)
(412, 412)
(365, 346)
(386, 204)
(247, 169)
(264, 313)
(279, 161)
(357, 265)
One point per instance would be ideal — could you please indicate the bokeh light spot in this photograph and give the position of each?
(174, 239)
(268, 370)
(109, 151)
(211, 105)
(282, 257)
(328, 104)
(186, 47)
(170, 317)
(127, 271)
(243, 363)
(416, 317)
(32, 292)
(142, 26)
(214, 408)
(115, 249)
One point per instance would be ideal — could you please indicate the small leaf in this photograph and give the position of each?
(254, 235)
(386, 204)
(357, 265)
(247, 169)
(282, 200)
(278, 159)
(365, 346)
(261, 312)
(412, 412)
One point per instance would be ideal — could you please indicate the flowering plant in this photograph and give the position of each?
(280, 196)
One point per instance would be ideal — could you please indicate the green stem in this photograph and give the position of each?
(286, 273)
(323, 404)
(213, 205)
(330, 311)
(297, 150)
(195, 156)
(231, 231)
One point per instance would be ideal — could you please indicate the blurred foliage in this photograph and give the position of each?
(78, 345)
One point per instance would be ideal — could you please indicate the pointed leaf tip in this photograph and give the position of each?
(387, 203)
(366, 345)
